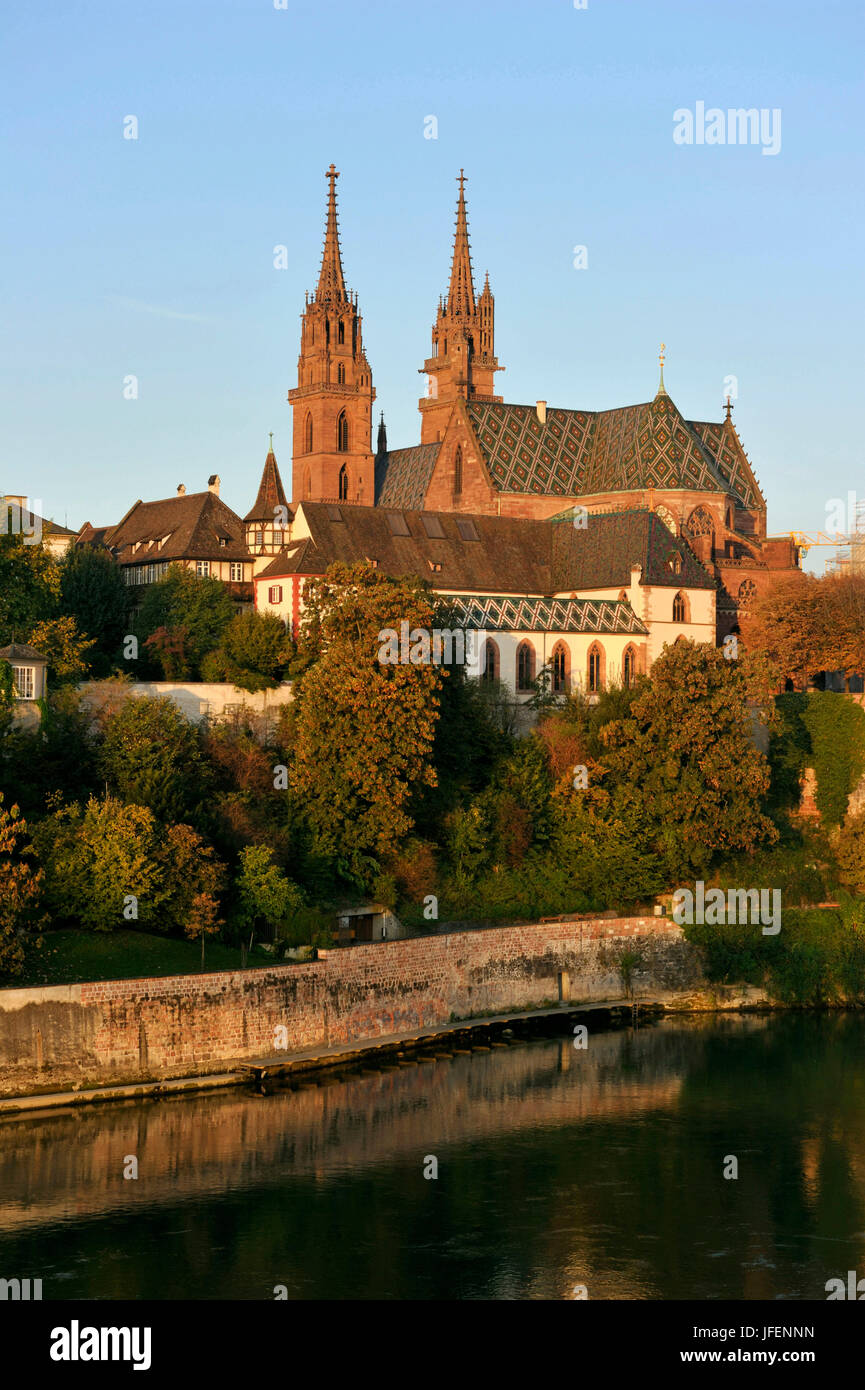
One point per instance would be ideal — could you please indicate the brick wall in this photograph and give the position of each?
(177, 1025)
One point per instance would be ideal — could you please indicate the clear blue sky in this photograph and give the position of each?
(155, 256)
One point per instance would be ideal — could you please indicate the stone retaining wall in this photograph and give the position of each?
(177, 1025)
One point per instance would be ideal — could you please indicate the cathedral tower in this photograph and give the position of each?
(332, 402)
(463, 360)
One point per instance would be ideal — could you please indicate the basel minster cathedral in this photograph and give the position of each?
(577, 541)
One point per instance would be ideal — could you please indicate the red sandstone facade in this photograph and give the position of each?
(481, 456)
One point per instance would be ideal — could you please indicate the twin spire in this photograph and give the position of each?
(331, 281)
(461, 292)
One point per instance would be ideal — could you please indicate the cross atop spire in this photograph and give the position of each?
(331, 283)
(662, 390)
(728, 406)
(461, 293)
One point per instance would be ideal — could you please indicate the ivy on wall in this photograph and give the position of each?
(836, 728)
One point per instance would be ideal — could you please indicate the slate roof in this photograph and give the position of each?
(581, 452)
(193, 526)
(498, 613)
(600, 555)
(271, 493)
(510, 555)
(402, 476)
(19, 651)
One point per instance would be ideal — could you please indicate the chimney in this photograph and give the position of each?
(213, 484)
(542, 411)
(181, 489)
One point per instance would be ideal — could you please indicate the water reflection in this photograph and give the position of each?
(556, 1168)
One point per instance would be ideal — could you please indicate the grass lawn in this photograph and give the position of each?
(67, 957)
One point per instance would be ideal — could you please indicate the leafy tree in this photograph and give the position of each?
(203, 608)
(253, 654)
(264, 895)
(844, 624)
(152, 755)
(57, 760)
(683, 770)
(92, 592)
(20, 889)
(67, 649)
(29, 584)
(7, 699)
(850, 852)
(97, 859)
(193, 879)
(363, 728)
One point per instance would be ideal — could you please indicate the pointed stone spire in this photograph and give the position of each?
(382, 437)
(461, 293)
(331, 283)
(662, 390)
(271, 493)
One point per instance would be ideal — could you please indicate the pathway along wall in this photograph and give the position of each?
(177, 1025)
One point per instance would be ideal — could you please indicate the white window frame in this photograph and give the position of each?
(25, 681)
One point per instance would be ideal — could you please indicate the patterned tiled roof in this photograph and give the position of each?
(726, 448)
(402, 476)
(601, 555)
(580, 452)
(502, 613)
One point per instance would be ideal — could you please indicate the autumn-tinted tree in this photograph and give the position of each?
(784, 625)
(253, 654)
(68, 650)
(203, 608)
(102, 864)
(364, 725)
(152, 756)
(193, 879)
(29, 584)
(92, 592)
(21, 884)
(684, 772)
(844, 624)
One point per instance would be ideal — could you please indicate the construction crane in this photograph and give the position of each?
(855, 543)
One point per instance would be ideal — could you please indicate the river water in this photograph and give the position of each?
(556, 1168)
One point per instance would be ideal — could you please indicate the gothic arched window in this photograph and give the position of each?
(458, 472)
(700, 523)
(747, 592)
(340, 336)
(340, 374)
(490, 668)
(560, 663)
(680, 609)
(596, 667)
(307, 484)
(525, 666)
(343, 484)
(342, 433)
(307, 435)
(629, 667)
